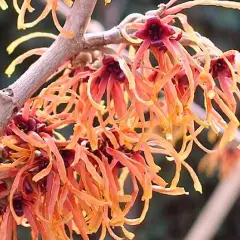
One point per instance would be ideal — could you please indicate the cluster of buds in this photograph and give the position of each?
(123, 109)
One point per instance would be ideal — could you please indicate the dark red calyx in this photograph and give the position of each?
(42, 127)
(31, 124)
(42, 183)
(181, 82)
(113, 67)
(6, 151)
(8, 131)
(42, 163)
(220, 66)
(68, 157)
(27, 186)
(81, 140)
(3, 186)
(18, 205)
(3, 207)
(153, 76)
(25, 125)
(154, 31)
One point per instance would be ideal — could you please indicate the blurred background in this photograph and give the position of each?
(169, 217)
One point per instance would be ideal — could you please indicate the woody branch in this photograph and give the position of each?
(14, 96)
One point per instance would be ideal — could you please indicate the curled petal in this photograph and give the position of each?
(27, 37)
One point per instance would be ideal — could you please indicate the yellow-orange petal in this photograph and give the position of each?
(3, 5)
(27, 37)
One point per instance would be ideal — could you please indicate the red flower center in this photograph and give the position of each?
(154, 30)
(113, 67)
(68, 157)
(219, 66)
(25, 125)
(31, 124)
(27, 186)
(18, 205)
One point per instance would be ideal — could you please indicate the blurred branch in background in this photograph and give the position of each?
(113, 12)
(221, 201)
(217, 207)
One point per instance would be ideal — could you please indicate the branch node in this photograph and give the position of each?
(159, 12)
(7, 92)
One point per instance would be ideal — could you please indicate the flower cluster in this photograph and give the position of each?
(123, 108)
(53, 184)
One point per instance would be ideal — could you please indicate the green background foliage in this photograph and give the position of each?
(169, 217)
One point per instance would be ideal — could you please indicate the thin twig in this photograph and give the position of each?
(112, 14)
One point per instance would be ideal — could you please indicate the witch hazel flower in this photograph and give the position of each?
(159, 35)
(111, 79)
(60, 179)
(122, 108)
(223, 69)
(108, 93)
(155, 31)
(220, 87)
(174, 60)
(122, 158)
